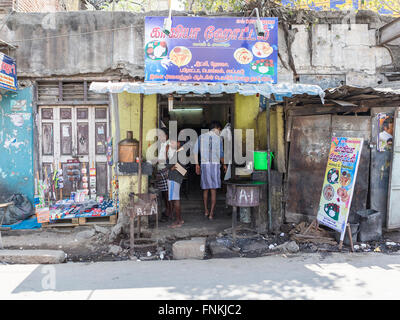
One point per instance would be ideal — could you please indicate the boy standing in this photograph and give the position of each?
(176, 174)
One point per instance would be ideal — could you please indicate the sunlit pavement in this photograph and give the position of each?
(310, 276)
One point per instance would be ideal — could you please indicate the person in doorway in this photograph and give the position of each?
(162, 171)
(176, 173)
(211, 150)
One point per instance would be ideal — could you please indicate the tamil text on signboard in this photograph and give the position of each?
(202, 49)
(8, 73)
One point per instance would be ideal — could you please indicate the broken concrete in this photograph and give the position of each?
(102, 230)
(115, 250)
(32, 256)
(288, 247)
(219, 250)
(189, 249)
(87, 234)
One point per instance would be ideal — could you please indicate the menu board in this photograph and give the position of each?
(200, 49)
(339, 180)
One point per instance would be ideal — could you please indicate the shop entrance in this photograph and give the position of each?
(197, 112)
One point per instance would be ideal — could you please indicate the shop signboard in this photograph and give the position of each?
(8, 73)
(200, 49)
(339, 180)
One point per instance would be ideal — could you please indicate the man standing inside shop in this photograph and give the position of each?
(212, 155)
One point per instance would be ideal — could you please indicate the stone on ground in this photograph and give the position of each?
(189, 249)
(288, 247)
(100, 229)
(115, 250)
(32, 256)
(87, 234)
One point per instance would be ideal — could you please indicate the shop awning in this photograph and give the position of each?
(278, 90)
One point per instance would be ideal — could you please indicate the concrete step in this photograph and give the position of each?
(32, 256)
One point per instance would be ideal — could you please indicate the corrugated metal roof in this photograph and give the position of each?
(278, 90)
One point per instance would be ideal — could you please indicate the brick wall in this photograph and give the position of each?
(38, 5)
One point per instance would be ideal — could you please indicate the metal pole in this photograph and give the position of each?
(140, 152)
(268, 113)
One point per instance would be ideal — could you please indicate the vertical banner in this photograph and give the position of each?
(339, 180)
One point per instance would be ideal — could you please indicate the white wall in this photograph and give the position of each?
(348, 49)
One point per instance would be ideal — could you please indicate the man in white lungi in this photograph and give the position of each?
(212, 155)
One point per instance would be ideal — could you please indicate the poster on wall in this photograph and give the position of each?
(201, 49)
(339, 180)
(385, 132)
(8, 73)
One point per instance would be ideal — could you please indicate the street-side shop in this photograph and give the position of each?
(199, 74)
(59, 146)
(310, 127)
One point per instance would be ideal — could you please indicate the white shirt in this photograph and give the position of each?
(162, 159)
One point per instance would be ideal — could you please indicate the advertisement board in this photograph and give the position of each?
(201, 49)
(339, 180)
(8, 73)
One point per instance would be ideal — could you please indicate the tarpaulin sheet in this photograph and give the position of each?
(279, 90)
(27, 224)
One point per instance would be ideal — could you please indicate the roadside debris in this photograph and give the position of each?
(288, 247)
(305, 232)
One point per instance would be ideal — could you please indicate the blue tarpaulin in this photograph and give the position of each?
(279, 90)
(30, 223)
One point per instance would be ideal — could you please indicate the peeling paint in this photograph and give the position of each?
(3, 174)
(16, 144)
(17, 119)
(12, 142)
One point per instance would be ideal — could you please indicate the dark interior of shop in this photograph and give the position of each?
(196, 112)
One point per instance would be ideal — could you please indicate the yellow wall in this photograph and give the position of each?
(247, 116)
(129, 108)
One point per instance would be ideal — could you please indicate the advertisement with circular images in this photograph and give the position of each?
(333, 176)
(243, 56)
(156, 50)
(328, 192)
(180, 56)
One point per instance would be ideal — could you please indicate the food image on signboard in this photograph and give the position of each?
(260, 66)
(328, 192)
(332, 210)
(333, 176)
(180, 56)
(262, 49)
(345, 179)
(243, 56)
(156, 50)
(343, 194)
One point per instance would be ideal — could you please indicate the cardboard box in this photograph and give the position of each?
(43, 215)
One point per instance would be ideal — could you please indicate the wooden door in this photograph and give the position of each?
(310, 139)
(68, 133)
